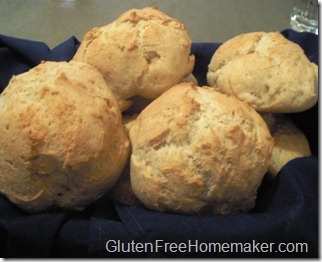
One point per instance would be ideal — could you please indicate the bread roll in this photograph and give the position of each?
(195, 149)
(62, 140)
(142, 53)
(122, 190)
(267, 71)
(290, 142)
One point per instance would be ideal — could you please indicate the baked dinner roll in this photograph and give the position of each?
(290, 142)
(62, 142)
(195, 149)
(142, 53)
(122, 190)
(267, 71)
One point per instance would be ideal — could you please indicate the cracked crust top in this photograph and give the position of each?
(62, 141)
(142, 53)
(267, 71)
(195, 149)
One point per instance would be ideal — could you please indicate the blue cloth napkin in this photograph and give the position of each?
(284, 222)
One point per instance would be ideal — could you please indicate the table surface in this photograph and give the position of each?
(54, 21)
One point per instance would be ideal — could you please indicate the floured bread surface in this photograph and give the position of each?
(290, 142)
(142, 53)
(62, 140)
(195, 149)
(267, 71)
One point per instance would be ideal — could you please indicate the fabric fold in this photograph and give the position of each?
(282, 205)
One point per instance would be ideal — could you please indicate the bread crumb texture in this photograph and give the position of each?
(142, 53)
(266, 70)
(196, 150)
(62, 139)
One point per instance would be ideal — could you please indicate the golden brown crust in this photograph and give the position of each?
(267, 71)
(142, 53)
(194, 149)
(63, 143)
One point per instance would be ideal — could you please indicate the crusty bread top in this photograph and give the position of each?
(194, 148)
(147, 14)
(267, 71)
(62, 142)
(143, 52)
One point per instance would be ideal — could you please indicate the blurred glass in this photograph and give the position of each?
(305, 16)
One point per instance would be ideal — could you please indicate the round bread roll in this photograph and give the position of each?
(195, 149)
(62, 142)
(142, 53)
(290, 142)
(267, 71)
(122, 190)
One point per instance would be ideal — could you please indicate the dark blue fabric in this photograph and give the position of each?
(19, 55)
(286, 210)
